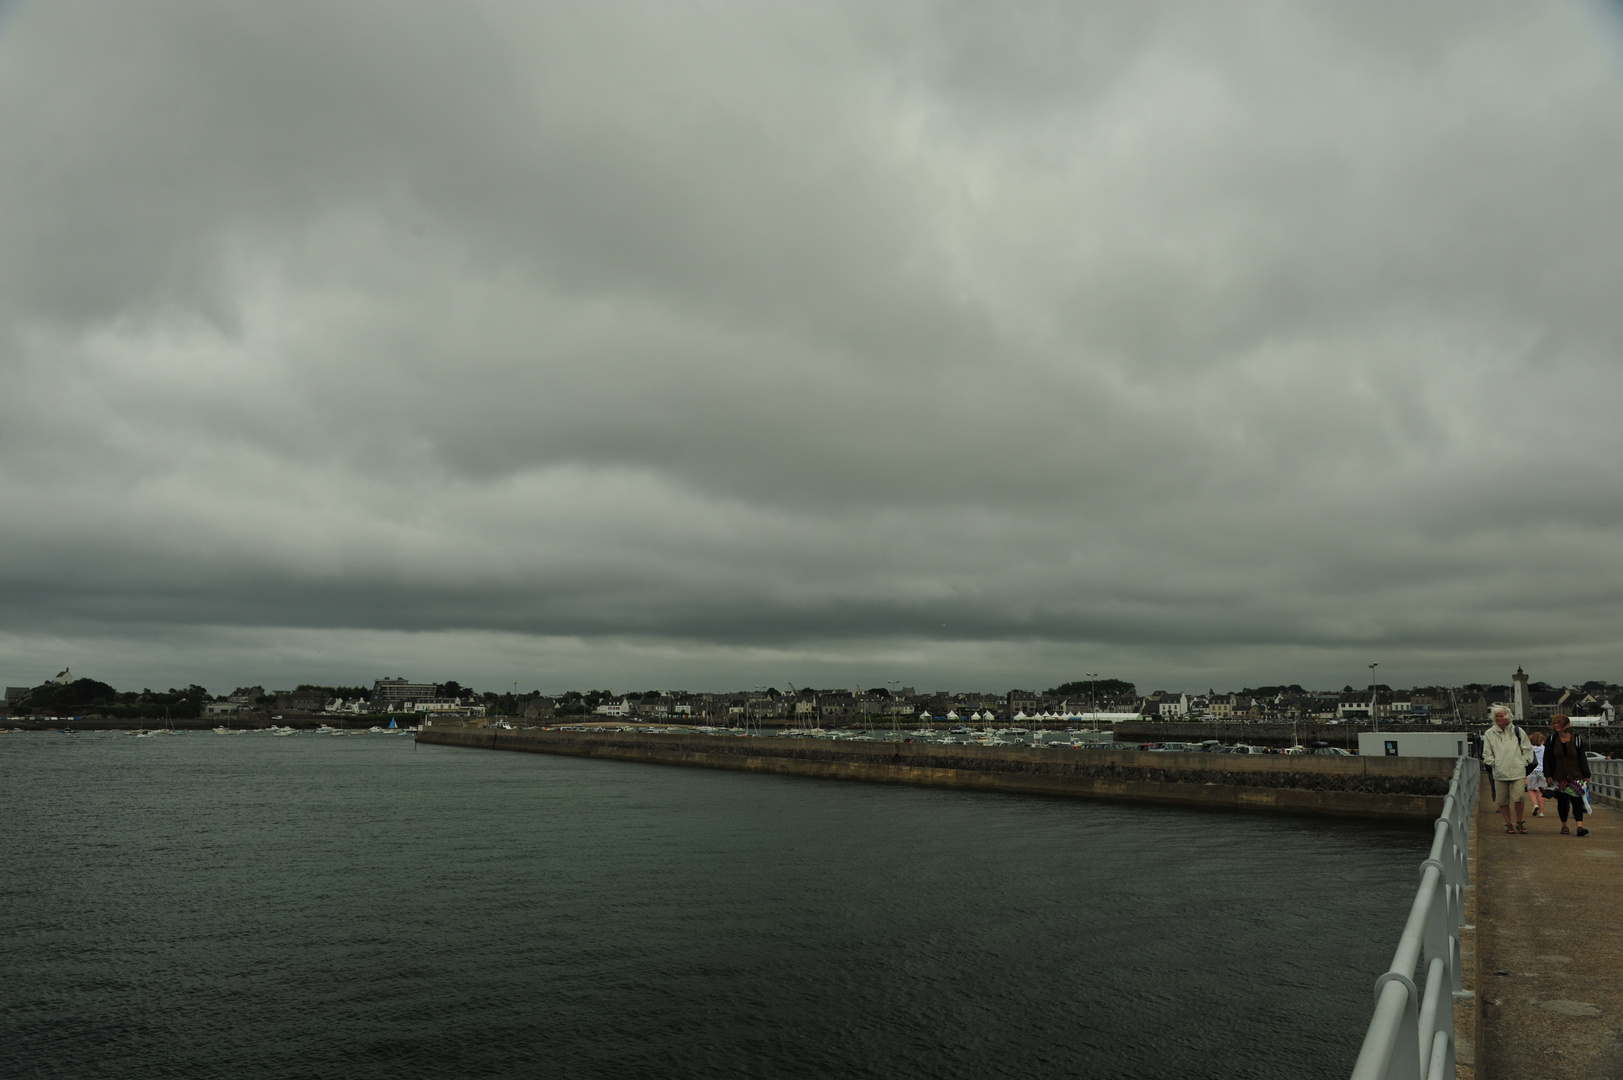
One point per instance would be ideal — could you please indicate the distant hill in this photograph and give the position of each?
(83, 697)
(74, 697)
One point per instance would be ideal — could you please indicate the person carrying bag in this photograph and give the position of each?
(1566, 769)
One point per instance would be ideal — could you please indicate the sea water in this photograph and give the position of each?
(246, 906)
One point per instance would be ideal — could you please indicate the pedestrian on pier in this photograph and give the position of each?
(1536, 784)
(1567, 769)
(1509, 756)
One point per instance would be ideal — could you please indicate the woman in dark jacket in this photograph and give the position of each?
(1565, 769)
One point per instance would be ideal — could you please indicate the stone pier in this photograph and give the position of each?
(1366, 788)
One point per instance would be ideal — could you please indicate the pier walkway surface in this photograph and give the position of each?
(1549, 948)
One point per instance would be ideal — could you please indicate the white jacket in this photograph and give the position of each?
(1507, 752)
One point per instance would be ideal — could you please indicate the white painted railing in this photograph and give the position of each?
(1606, 782)
(1411, 1035)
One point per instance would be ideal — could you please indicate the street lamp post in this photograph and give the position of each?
(1374, 699)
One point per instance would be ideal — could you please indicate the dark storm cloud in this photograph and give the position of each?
(1213, 342)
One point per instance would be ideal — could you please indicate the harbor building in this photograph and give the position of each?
(396, 693)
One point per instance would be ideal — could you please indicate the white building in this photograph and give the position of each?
(1446, 744)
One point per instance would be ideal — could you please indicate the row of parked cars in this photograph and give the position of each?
(1215, 746)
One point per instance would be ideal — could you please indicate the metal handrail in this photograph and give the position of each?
(1606, 778)
(1411, 1035)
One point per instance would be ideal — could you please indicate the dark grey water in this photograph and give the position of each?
(254, 907)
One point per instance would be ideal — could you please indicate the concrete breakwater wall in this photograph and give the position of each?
(1387, 788)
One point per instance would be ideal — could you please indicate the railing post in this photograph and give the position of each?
(1442, 1057)
(1405, 1061)
(1414, 1037)
(1431, 1006)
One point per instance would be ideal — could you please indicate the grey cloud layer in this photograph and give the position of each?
(1152, 331)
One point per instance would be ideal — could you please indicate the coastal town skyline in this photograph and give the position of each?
(975, 669)
(1095, 695)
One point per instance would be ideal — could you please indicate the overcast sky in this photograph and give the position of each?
(705, 345)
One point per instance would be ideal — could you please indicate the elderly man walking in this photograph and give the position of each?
(1507, 752)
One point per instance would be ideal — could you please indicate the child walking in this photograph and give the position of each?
(1535, 780)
